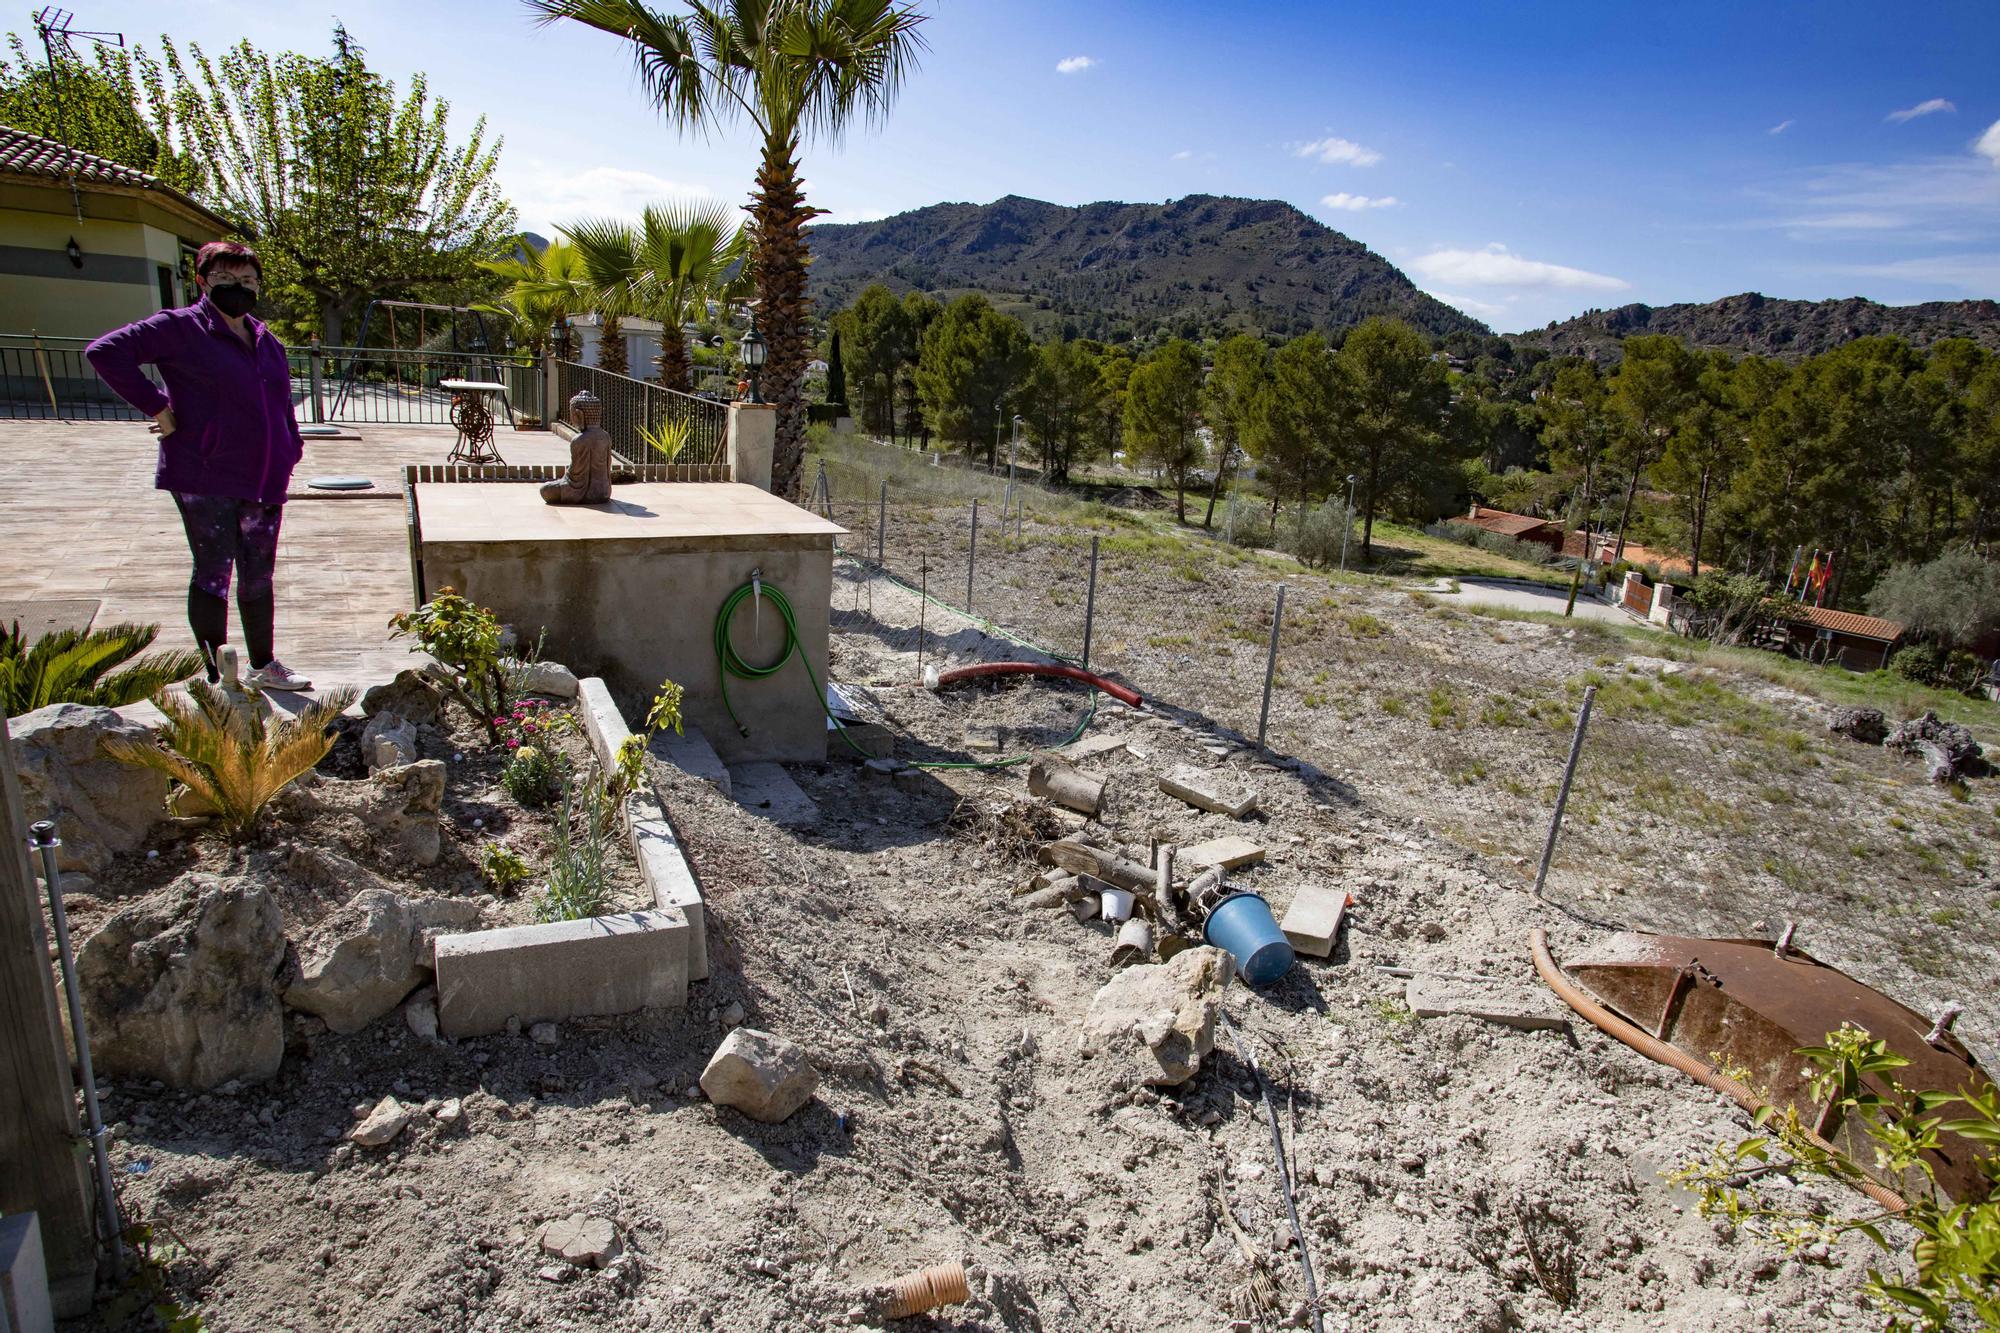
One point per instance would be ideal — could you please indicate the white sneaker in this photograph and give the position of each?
(275, 675)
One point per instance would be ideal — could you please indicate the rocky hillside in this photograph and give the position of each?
(1792, 330)
(1197, 265)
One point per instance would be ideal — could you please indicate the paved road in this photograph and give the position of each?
(1524, 597)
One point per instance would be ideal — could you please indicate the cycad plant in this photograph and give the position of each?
(667, 269)
(99, 666)
(231, 758)
(796, 69)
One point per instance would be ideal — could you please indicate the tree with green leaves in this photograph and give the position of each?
(795, 70)
(92, 107)
(1704, 449)
(970, 362)
(877, 343)
(666, 269)
(1242, 368)
(1393, 433)
(544, 290)
(1163, 415)
(836, 370)
(1655, 384)
(1061, 401)
(1291, 420)
(348, 190)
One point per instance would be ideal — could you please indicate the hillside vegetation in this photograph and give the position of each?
(1762, 326)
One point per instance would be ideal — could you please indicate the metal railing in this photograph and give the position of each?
(650, 423)
(48, 379)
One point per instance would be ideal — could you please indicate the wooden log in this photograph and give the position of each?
(1065, 786)
(1110, 867)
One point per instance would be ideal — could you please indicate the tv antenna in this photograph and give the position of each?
(53, 26)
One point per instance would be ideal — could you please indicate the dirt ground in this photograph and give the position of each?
(1450, 1174)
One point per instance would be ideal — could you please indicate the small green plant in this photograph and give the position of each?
(232, 759)
(1952, 1269)
(578, 884)
(532, 776)
(147, 1285)
(1364, 626)
(666, 440)
(466, 638)
(1442, 708)
(100, 666)
(503, 869)
(666, 709)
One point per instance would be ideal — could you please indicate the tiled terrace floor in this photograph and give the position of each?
(80, 519)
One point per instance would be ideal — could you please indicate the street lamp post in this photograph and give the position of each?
(754, 355)
(1347, 528)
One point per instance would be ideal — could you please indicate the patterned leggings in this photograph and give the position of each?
(226, 536)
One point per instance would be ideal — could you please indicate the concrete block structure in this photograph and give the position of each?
(631, 590)
(563, 969)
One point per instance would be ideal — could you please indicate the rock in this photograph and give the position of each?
(388, 741)
(550, 678)
(1946, 747)
(182, 986)
(420, 1015)
(411, 696)
(361, 961)
(382, 1124)
(733, 1016)
(766, 1078)
(102, 807)
(1866, 725)
(398, 806)
(545, 1034)
(1152, 1024)
(450, 1111)
(587, 1242)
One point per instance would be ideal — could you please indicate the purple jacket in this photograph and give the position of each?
(234, 432)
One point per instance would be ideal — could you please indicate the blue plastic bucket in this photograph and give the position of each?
(1242, 924)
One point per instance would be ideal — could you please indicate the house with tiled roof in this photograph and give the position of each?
(1522, 527)
(88, 244)
(1858, 642)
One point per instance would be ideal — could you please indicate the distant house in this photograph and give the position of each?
(1857, 642)
(1522, 527)
(88, 244)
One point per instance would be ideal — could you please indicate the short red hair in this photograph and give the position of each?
(226, 252)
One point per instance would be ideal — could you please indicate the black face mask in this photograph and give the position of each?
(232, 299)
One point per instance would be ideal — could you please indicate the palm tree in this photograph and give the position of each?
(794, 69)
(544, 295)
(667, 268)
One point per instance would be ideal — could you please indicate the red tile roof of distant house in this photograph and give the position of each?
(1847, 622)
(1503, 522)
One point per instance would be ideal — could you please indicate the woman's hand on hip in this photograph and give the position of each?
(164, 424)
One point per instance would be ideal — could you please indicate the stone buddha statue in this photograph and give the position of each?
(588, 480)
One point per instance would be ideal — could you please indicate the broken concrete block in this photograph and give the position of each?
(1312, 922)
(1206, 790)
(1065, 786)
(587, 1242)
(766, 1078)
(984, 740)
(1433, 997)
(1230, 853)
(1091, 746)
(562, 969)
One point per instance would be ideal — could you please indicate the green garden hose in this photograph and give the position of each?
(731, 663)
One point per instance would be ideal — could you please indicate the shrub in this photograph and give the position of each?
(532, 776)
(578, 884)
(665, 441)
(1923, 663)
(233, 758)
(502, 868)
(465, 638)
(1513, 548)
(78, 667)
(1953, 599)
(1316, 540)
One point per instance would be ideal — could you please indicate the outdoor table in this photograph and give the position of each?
(474, 419)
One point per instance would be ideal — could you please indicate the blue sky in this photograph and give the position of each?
(1523, 161)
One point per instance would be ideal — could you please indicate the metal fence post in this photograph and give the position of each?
(316, 376)
(1270, 668)
(923, 605)
(1090, 603)
(882, 523)
(1562, 793)
(971, 555)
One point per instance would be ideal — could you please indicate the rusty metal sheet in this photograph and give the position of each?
(1742, 1008)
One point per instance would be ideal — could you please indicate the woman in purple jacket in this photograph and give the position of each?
(228, 443)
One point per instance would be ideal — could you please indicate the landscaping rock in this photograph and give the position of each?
(399, 807)
(361, 961)
(411, 696)
(420, 1015)
(1946, 747)
(545, 1034)
(382, 1124)
(389, 741)
(550, 678)
(182, 986)
(101, 807)
(1151, 1025)
(766, 1078)
(587, 1242)
(1866, 725)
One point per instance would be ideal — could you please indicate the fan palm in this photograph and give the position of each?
(546, 292)
(667, 269)
(230, 758)
(99, 666)
(795, 69)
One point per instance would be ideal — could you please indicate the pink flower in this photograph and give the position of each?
(513, 743)
(527, 726)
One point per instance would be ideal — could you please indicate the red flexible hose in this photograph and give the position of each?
(1114, 689)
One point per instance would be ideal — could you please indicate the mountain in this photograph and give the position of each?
(1202, 264)
(1792, 330)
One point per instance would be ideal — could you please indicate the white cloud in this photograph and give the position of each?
(1931, 107)
(1781, 127)
(548, 196)
(1989, 143)
(1496, 266)
(1486, 310)
(1337, 151)
(1074, 64)
(1183, 155)
(1355, 203)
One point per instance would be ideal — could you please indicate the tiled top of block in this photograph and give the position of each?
(695, 513)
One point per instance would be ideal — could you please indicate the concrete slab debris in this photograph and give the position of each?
(1090, 747)
(587, 1242)
(1431, 997)
(561, 969)
(1312, 922)
(1206, 790)
(766, 790)
(985, 740)
(1230, 853)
